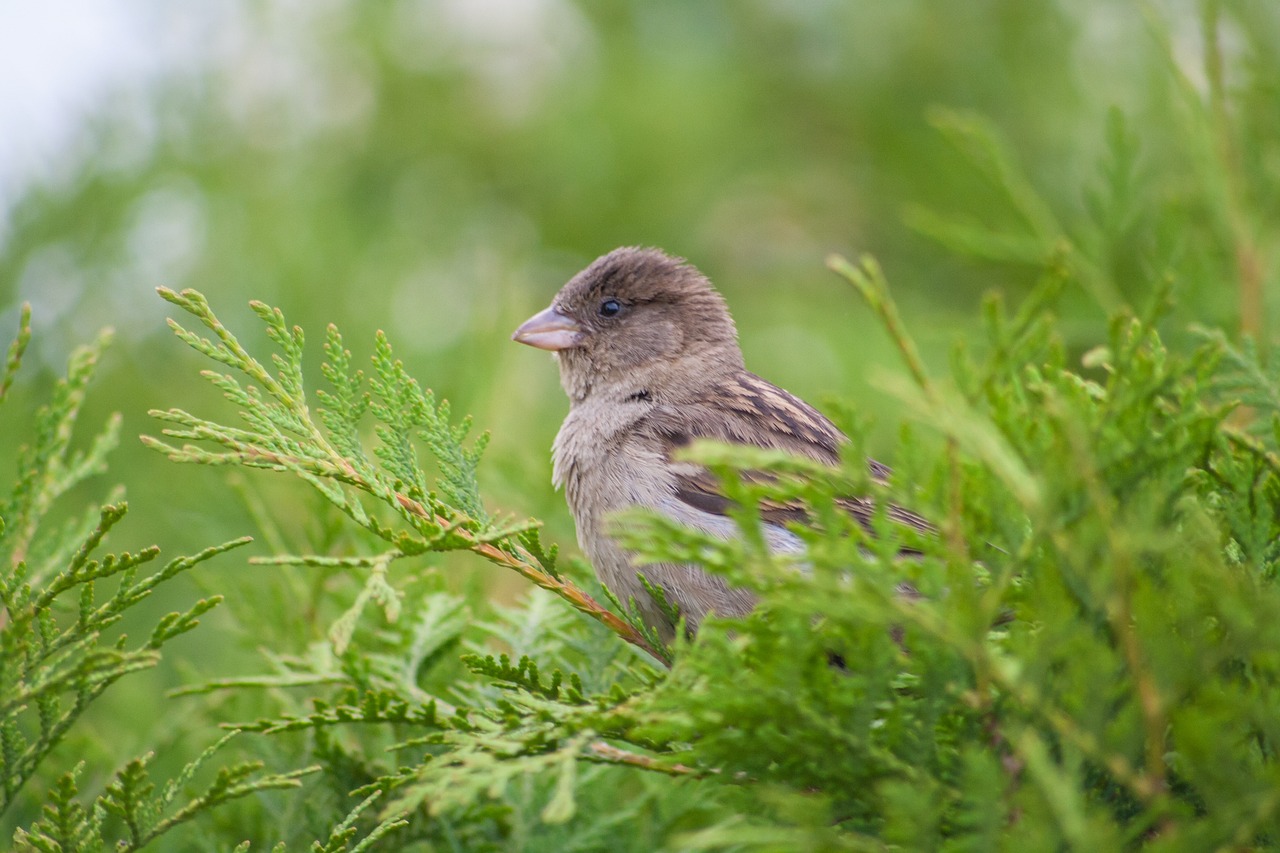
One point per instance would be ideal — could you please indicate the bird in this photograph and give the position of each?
(649, 358)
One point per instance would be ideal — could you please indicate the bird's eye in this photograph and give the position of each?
(610, 308)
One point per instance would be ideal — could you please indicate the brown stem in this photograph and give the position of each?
(527, 567)
(611, 754)
(342, 471)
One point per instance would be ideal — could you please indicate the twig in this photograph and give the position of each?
(613, 755)
(528, 568)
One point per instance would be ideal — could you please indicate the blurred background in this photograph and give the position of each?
(438, 168)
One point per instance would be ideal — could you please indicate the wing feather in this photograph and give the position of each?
(749, 410)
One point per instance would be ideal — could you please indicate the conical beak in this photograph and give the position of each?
(549, 330)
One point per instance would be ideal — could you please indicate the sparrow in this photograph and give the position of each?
(649, 358)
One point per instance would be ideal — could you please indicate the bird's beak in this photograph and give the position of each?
(549, 330)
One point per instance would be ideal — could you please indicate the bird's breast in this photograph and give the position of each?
(604, 466)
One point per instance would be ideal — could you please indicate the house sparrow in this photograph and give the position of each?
(650, 360)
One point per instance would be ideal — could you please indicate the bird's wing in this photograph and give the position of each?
(748, 410)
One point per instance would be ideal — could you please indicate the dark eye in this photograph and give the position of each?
(610, 308)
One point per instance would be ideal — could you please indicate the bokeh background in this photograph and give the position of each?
(438, 168)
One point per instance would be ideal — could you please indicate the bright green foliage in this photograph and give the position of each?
(531, 725)
(1091, 660)
(283, 436)
(1089, 663)
(58, 600)
(131, 800)
(1127, 699)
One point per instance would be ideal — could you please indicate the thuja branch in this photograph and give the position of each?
(606, 753)
(870, 282)
(281, 434)
(523, 563)
(868, 278)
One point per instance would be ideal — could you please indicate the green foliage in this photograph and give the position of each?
(131, 802)
(1127, 615)
(1090, 658)
(58, 600)
(284, 437)
(1087, 661)
(528, 727)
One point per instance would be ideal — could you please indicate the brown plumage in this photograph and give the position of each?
(649, 357)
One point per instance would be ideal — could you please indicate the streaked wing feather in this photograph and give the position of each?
(749, 410)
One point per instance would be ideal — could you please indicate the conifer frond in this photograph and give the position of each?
(330, 455)
(58, 597)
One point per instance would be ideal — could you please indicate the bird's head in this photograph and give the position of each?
(636, 320)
